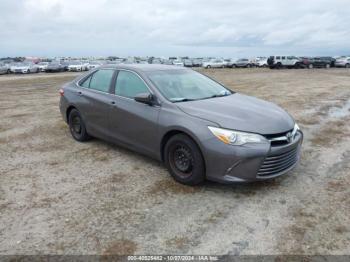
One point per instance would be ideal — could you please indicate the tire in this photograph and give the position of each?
(278, 65)
(328, 66)
(184, 160)
(208, 67)
(77, 126)
(310, 66)
(233, 66)
(8, 71)
(347, 66)
(248, 66)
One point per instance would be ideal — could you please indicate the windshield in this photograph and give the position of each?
(186, 85)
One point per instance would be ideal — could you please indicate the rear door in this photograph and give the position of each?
(133, 123)
(97, 97)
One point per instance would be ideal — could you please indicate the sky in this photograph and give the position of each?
(196, 28)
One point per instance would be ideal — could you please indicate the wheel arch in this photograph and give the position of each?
(169, 134)
(69, 109)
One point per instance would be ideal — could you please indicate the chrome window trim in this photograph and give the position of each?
(87, 76)
(113, 94)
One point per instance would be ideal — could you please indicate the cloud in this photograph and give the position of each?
(229, 28)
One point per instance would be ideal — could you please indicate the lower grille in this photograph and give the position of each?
(278, 163)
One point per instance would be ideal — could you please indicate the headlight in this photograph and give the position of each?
(236, 138)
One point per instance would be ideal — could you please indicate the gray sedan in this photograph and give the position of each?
(197, 127)
(4, 69)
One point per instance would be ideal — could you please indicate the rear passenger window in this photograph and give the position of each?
(278, 57)
(101, 80)
(129, 85)
(283, 57)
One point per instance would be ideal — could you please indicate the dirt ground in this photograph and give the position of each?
(58, 196)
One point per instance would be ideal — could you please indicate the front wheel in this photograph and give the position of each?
(347, 66)
(208, 67)
(184, 160)
(77, 126)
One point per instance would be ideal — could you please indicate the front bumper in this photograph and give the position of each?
(250, 162)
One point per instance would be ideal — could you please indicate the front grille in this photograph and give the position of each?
(275, 164)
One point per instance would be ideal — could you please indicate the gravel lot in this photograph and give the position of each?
(58, 196)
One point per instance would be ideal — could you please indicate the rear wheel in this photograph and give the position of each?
(208, 67)
(347, 66)
(184, 160)
(328, 66)
(248, 66)
(311, 66)
(77, 126)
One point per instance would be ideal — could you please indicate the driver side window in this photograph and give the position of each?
(129, 85)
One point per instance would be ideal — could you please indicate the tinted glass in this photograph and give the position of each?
(86, 83)
(129, 85)
(101, 80)
(278, 57)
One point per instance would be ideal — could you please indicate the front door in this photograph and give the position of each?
(133, 123)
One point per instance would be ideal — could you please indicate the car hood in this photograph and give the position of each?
(242, 113)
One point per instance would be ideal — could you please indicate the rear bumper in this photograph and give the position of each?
(249, 163)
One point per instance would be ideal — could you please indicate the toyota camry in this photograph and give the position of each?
(199, 128)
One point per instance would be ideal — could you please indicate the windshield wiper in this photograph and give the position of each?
(217, 95)
(183, 100)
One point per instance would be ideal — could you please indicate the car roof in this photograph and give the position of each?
(144, 67)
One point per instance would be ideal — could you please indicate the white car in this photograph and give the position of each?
(261, 62)
(24, 68)
(178, 63)
(214, 63)
(284, 61)
(94, 64)
(77, 66)
(42, 66)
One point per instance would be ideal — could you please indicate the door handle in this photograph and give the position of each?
(113, 102)
(80, 93)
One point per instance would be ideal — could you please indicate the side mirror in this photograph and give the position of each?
(144, 98)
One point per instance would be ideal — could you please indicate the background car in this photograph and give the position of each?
(4, 69)
(24, 68)
(197, 62)
(214, 63)
(243, 62)
(284, 62)
(261, 62)
(178, 63)
(42, 66)
(187, 62)
(167, 62)
(343, 62)
(228, 62)
(321, 62)
(55, 66)
(94, 64)
(77, 66)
